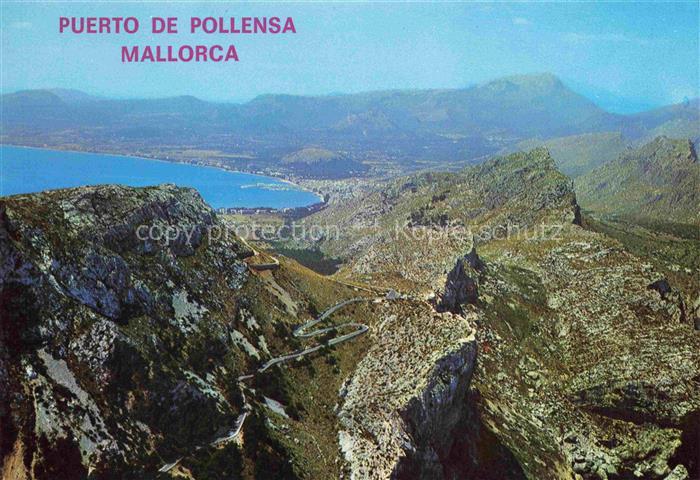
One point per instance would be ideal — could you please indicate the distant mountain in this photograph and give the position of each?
(31, 107)
(519, 105)
(579, 154)
(12, 102)
(396, 130)
(325, 162)
(659, 181)
(72, 95)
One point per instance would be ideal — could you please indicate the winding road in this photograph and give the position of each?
(299, 332)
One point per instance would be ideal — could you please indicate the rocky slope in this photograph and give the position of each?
(658, 181)
(403, 404)
(588, 360)
(545, 350)
(128, 316)
(586, 367)
(115, 351)
(410, 232)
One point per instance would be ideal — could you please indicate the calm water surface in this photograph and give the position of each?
(26, 170)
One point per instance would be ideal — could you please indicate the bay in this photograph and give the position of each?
(28, 170)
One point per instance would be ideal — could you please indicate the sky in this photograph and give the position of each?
(625, 56)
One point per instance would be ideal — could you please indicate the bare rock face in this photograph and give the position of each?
(462, 285)
(407, 395)
(585, 366)
(673, 299)
(110, 340)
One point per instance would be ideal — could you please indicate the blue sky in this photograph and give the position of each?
(625, 56)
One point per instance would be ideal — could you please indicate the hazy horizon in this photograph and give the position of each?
(633, 106)
(624, 57)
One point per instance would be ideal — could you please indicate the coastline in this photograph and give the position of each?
(155, 159)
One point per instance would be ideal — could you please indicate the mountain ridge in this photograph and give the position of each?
(126, 354)
(659, 180)
(389, 132)
(516, 78)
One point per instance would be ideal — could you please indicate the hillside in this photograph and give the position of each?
(200, 356)
(325, 163)
(579, 154)
(677, 121)
(165, 357)
(119, 354)
(554, 393)
(378, 132)
(658, 181)
(383, 235)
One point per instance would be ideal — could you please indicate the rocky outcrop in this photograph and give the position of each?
(462, 286)
(586, 366)
(113, 334)
(400, 408)
(675, 304)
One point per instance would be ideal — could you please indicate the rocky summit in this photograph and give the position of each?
(587, 363)
(480, 327)
(108, 342)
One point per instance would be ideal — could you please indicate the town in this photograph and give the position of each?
(287, 213)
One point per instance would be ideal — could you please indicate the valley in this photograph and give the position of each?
(477, 350)
(492, 288)
(371, 135)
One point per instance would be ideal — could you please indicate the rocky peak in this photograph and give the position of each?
(118, 339)
(462, 286)
(92, 243)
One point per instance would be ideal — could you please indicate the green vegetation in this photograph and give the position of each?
(311, 258)
(579, 154)
(216, 463)
(659, 181)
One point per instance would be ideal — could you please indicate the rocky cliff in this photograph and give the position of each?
(406, 397)
(115, 351)
(588, 361)
(129, 314)
(462, 286)
(551, 352)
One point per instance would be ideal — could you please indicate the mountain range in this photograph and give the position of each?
(530, 315)
(501, 350)
(386, 131)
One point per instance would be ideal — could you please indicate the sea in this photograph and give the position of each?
(28, 170)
